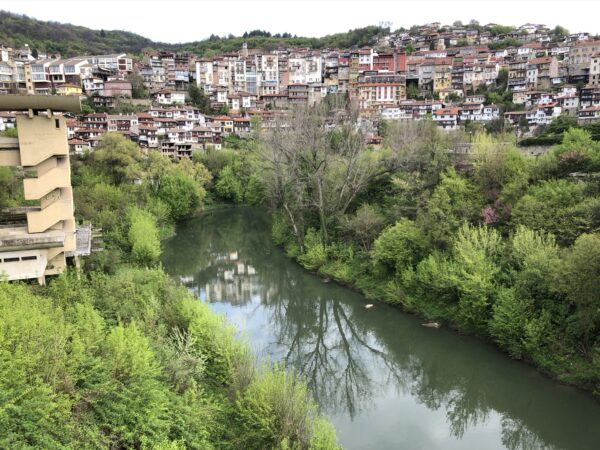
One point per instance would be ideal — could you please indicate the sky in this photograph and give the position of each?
(176, 21)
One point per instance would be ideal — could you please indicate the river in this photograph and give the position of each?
(384, 381)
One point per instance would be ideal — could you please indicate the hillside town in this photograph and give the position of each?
(457, 75)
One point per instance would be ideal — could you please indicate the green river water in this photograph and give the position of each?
(385, 381)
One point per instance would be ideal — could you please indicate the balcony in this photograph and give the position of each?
(56, 177)
(40, 220)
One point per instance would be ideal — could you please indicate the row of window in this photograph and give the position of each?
(17, 259)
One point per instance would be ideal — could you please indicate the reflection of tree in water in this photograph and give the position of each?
(347, 356)
(516, 436)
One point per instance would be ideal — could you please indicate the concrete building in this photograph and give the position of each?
(34, 240)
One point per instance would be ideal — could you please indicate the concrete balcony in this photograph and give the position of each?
(56, 177)
(41, 220)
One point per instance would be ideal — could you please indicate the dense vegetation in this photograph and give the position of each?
(118, 356)
(71, 40)
(493, 243)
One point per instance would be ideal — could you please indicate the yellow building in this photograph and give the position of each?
(34, 240)
(442, 74)
(69, 89)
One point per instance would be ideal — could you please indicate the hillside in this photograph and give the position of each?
(17, 30)
(70, 40)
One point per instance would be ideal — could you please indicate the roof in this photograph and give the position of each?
(446, 111)
(590, 109)
(542, 60)
(77, 142)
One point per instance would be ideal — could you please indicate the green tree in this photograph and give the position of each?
(117, 157)
(400, 246)
(581, 282)
(143, 238)
(558, 207)
(364, 225)
(181, 193)
(228, 186)
(197, 98)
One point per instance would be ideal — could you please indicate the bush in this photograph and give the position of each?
(400, 246)
(315, 252)
(143, 238)
(277, 412)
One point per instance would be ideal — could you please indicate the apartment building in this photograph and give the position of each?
(35, 240)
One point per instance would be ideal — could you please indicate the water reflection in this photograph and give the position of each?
(378, 368)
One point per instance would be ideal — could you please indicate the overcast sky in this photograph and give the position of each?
(187, 20)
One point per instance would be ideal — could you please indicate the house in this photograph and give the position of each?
(298, 94)
(69, 89)
(224, 123)
(78, 146)
(114, 63)
(242, 126)
(588, 115)
(517, 75)
(147, 136)
(543, 114)
(540, 71)
(122, 123)
(589, 96)
(377, 90)
(594, 71)
(169, 97)
(475, 99)
(116, 89)
(446, 118)
(580, 58)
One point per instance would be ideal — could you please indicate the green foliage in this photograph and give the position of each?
(117, 158)
(132, 361)
(143, 238)
(400, 246)
(276, 411)
(10, 132)
(502, 246)
(11, 188)
(558, 207)
(453, 201)
(229, 186)
(581, 283)
(364, 225)
(181, 194)
(197, 98)
(315, 254)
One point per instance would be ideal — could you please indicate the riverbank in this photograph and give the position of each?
(420, 296)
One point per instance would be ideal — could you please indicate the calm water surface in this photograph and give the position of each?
(384, 381)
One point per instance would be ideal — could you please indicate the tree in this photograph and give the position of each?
(558, 207)
(143, 238)
(453, 201)
(181, 193)
(228, 186)
(364, 225)
(560, 32)
(138, 89)
(313, 169)
(197, 98)
(117, 157)
(581, 282)
(400, 246)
